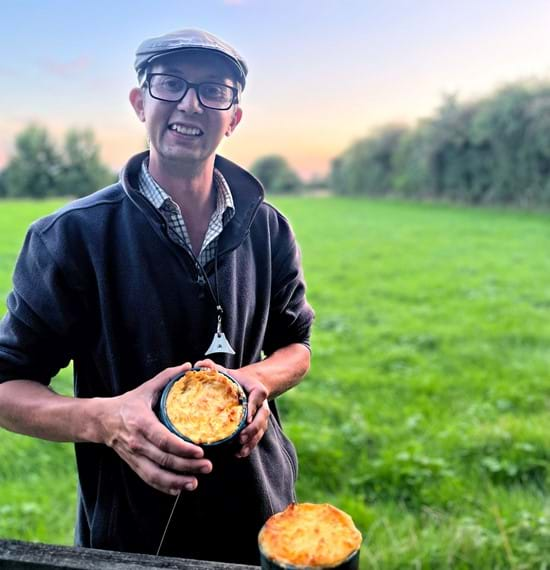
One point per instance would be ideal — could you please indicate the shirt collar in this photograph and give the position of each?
(150, 188)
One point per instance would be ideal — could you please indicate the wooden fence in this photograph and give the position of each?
(17, 555)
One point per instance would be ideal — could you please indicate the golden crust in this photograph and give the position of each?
(311, 535)
(204, 406)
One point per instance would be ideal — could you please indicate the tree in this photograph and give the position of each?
(367, 167)
(34, 169)
(493, 150)
(82, 170)
(38, 170)
(276, 175)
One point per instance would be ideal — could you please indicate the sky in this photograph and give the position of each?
(322, 73)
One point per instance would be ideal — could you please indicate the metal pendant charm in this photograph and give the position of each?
(219, 342)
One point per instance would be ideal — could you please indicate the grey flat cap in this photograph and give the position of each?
(188, 39)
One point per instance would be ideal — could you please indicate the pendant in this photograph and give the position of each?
(219, 342)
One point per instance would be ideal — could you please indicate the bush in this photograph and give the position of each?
(39, 170)
(495, 150)
(368, 166)
(276, 175)
(34, 169)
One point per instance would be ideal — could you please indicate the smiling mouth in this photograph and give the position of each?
(188, 131)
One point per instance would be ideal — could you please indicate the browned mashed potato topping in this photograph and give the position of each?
(204, 406)
(306, 534)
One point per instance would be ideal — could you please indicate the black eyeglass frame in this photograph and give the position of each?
(196, 87)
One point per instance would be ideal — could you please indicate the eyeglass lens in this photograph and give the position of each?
(172, 88)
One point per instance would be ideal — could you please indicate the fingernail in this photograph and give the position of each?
(206, 469)
(190, 486)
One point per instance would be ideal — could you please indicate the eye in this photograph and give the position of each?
(169, 83)
(216, 91)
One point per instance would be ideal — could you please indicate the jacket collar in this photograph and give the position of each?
(248, 194)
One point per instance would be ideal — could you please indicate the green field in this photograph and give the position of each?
(426, 414)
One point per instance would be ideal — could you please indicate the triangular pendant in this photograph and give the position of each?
(219, 344)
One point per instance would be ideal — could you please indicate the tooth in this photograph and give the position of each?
(186, 130)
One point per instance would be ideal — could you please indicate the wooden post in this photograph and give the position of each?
(17, 555)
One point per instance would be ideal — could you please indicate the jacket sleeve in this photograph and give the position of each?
(38, 332)
(290, 315)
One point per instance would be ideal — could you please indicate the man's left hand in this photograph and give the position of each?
(258, 408)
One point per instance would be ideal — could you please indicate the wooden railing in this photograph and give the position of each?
(17, 555)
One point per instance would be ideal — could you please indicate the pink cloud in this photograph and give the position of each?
(67, 68)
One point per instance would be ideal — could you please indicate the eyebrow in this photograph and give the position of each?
(208, 76)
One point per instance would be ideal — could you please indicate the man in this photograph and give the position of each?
(180, 259)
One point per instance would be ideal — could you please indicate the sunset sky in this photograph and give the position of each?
(322, 73)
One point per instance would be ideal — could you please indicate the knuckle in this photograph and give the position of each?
(162, 441)
(165, 460)
(154, 480)
(189, 466)
(134, 445)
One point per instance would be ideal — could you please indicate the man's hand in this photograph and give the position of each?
(159, 457)
(258, 408)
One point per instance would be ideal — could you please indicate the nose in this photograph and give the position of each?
(190, 102)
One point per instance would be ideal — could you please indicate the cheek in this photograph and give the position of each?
(154, 118)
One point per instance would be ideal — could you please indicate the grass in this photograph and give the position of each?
(425, 414)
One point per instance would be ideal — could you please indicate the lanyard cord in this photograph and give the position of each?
(219, 308)
(168, 523)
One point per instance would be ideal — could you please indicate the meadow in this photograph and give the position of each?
(426, 411)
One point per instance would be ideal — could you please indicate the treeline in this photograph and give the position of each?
(39, 169)
(276, 175)
(494, 150)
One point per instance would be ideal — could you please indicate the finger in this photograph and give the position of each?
(256, 399)
(207, 363)
(163, 439)
(246, 450)
(252, 434)
(148, 427)
(157, 383)
(161, 479)
(187, 465)
(261, 421)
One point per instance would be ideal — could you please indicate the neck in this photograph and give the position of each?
(187, 184)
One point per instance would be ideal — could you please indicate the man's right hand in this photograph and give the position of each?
(131, 428)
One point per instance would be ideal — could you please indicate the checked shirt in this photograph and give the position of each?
(225, 209)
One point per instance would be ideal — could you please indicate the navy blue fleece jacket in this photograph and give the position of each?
(101, 283)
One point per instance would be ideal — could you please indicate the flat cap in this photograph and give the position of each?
(188, 39)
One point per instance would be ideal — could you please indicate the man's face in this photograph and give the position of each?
(186, 132)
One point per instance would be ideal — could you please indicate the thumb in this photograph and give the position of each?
(208, 363)
(157, 383)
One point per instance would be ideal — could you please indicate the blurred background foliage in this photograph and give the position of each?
(38, 169)
(276, 174)
(492, 151)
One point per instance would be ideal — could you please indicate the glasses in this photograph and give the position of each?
(172, 88)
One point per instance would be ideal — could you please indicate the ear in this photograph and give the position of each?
(136, 100)
(237, 116)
